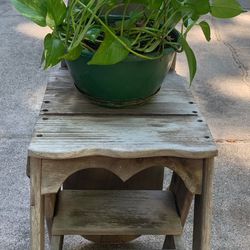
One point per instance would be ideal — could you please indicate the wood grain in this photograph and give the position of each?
(56, 242)
(70, 126)
(62, 137)
(203, 209)
(36, 205)
(62, 97)
(50, 201)
(72, 134)
(116, 213)
(55, 172)
(71, 102)
(183, 196)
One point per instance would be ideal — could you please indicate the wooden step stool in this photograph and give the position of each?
(72, 134)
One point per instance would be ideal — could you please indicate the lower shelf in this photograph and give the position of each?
(123, 212)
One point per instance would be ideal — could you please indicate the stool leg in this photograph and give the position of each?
(169, 242)
(173, 242)
(36, 205)
(203, 209)
(56, 242)
(50, 200)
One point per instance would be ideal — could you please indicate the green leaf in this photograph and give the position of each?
(226, 8)
(73, 54)
(110, 52)
(35, 10)
(206, 30)
(190, 58)
(53, 51)
(56, 12)
(200, 7)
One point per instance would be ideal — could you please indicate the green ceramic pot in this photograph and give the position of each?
(132, 81)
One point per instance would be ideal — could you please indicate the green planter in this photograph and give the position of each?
(132, 81)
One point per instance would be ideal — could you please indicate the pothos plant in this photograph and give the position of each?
(145, 30)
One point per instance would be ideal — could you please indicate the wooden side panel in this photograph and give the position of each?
(57, 171)
(183, 197)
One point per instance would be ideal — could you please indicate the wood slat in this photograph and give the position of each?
(61, 137)
(62, 98)
(116, 213)
(71, 102)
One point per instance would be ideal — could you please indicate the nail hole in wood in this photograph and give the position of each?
(46, 101)
(194, 112)
(207, 137)
(45, 110)
(39, 135)
(200, 120)
(45, 118)
(191, 102)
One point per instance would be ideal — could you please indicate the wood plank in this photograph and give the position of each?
(61, 103)
(50, 201)
(116, 213)
(203, 210)
(61, 137)
(36, 206)
(63, 98)
(56, 242)
(55, 172)
(183, 196)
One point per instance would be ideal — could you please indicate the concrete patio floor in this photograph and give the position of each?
(221, 89)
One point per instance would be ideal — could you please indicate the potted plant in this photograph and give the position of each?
(118, 51)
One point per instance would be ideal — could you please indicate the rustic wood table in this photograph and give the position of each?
(72, 134)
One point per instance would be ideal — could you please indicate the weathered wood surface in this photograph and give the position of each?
(203, 209)
(55, 172)
(166, 102)
(168, 127)
(57, 242)
(71, 126)
(36, 206)
(61, 137)
(116, 213)
(50, 201)
(62, 97)
(183, 196)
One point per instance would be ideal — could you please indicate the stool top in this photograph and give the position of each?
(70, 126)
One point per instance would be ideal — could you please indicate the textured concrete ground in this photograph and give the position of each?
(221, 89)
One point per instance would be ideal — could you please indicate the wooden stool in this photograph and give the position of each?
(72, 134)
